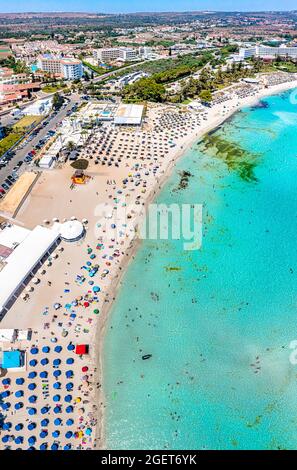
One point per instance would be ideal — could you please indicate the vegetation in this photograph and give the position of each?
(58, 101)
(26, 122)
(12, 138)
(16, 65)
(80, 164)
(145, 89)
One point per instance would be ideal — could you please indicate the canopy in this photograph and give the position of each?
(81, 349)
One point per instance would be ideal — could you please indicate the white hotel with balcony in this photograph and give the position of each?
(268, 51)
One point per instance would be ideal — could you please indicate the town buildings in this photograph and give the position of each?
(66, 67)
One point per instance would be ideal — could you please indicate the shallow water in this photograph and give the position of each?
(218, 321)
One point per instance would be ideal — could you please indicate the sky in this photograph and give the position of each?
(125, 6)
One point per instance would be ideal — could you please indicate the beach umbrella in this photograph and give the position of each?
(31, 426)
(44, 422)
(57, 373)
(5, 394)
(69, 386)
(32, 440)
(57, 409)
(19, 405)
(57, 421)
(67, 447)
(32, 375)
(32, 399)
(6, 426)
(43, 434)
(54, 446)
(96, 311)
(19, 381)
(70, 360)
(57, 385)
(43, 375)
(88, 431)
(96, 289)
(43, 446)
(45, 349)
(5, 438)
(58, 349)
(69, 422)
(19, 426)
(33, 363)
(32, 386)
(70, 347)
(35, 280)
(56, 397)
(56, 433)
(19, 393)
(69, 409)
(68, 398)
(69, 374)
(32, 411)
(44, 410)
(84, 369)
(34, 351)
(31, 448)
(77, 400)
(56, 362)
(44, 361)
(68, 434)
(19, 440)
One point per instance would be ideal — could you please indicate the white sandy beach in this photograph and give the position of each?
(147, 157)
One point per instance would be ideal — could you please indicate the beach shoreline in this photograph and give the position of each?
(215, 121)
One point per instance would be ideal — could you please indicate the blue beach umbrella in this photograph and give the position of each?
(58, 349)
(19, 405)
(54, 446)
(5, 394)
(31, 426)
(32, 375)
(68, 398)
(6, 426)
(44, 410)
(43, 434)
(19, 440)
(34, 351)
(69, 386)
(32, 411)
(69, 374)
(57, 373)
(43, 374)
(43, 446)
(56, 433)
(45, 349)
(32, 440)
(5, 438)
(44, 422)
(67, 447)
(6, 381)
(32, 386)
(57, 409)
(57, 421)
(44, 361)
(69, 409)
(19, 427)
(70, 360)
(69, 422)
(96, 289)
(5, 406)
(20, 381)
(57, 385)
(32, 399)
(33, 363)
(56, 362)
(68, 434)
(70, 347)
(56, 398)
(31, 448)
(19, 393)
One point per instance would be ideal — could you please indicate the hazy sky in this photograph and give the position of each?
(124, 6)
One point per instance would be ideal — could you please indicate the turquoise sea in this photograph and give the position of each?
(218, 321)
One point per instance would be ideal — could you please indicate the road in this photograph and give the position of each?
(20, 154)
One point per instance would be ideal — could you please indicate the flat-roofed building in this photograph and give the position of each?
(129, 114)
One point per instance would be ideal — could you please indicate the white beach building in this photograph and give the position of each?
(129, 114)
